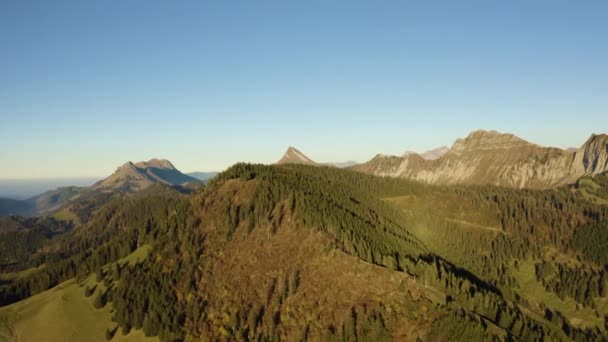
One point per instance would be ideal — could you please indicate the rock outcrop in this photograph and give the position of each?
(592, 157)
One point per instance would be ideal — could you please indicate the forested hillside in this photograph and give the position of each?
(296, 252)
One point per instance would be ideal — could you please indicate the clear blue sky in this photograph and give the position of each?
(85, 87)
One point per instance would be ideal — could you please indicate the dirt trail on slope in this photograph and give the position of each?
(475, 225)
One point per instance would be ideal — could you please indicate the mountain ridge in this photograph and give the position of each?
(132, 177)
(485, 157)
(129, 177)
(490, 157)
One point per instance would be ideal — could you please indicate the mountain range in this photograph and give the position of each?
(21, 189)
(202, 176)
(301, 250)
(482, 158)
(132, 177)
(430, 154)
(128, 178)
(488, 158)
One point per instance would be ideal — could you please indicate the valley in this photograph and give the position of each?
(291, 251)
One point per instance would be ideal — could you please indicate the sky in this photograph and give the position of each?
(86, 86)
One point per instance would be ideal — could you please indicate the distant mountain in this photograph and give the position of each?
(203, 176)
(80, 201)
(294, 156)
(46, 202)
(134, 177)
(21, 189)
(408, 153)
(345, 164)
(54, 199)
(435, 153)
(10, 206)
(47, 225)
(490, 157)
(430, 154)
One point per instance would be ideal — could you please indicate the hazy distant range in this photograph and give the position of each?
(21, 189)
(26, 188)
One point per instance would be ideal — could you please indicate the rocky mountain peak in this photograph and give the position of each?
(137, 176)
(597, 138)
(491, 157)
(126, 168)
(294, 156)
(488, 140)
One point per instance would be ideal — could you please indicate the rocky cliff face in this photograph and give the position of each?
(592, 157)
(489, 157)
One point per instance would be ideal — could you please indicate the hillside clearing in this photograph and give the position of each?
(63, 313)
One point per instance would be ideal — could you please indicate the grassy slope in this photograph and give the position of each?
(67, 215)
(427, 215)
(60, 314)
(421, 208)
(137, 256)
(10, 276)
(593, 188)
(63, 313)
(448, 207)
(533, 291)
